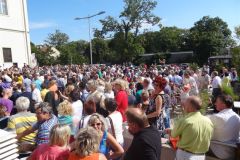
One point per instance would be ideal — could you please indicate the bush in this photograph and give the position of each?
(228, 90)
(193, 66)
(205, 101)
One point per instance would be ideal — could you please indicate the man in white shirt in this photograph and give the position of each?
(226, 127)
(206, 80)
(188, 80)
(216, 84)
(36, 94)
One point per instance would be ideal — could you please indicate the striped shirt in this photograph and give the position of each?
(21, 122)
(44, 129)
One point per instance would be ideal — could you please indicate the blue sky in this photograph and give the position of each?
(45, 16)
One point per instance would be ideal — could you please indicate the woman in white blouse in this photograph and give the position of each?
(114, 120)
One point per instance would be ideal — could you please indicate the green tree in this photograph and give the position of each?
(43, 55)
(124, 30)
(237, 32)
(208, 37)
(149, 41)
(125, 51)
(72, 53)
(57, 39)
(171, 39)
(236, 57)
(133, 16)
(100, 50)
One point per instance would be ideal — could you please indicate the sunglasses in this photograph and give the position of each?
(94, 124)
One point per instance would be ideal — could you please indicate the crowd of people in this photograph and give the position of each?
(79, 112)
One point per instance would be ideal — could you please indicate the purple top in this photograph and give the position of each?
(7, 103)
(5, 85)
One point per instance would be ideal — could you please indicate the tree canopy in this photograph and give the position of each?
(208, 36)
(126, 28)
(57, 39)
(237, 31)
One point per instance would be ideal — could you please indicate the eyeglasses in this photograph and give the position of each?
(94, 124)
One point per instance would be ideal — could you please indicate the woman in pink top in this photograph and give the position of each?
(57, 148)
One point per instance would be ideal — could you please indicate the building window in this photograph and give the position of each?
(7, 54)
(3, 7)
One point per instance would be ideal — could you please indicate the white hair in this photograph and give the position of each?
(22, 104)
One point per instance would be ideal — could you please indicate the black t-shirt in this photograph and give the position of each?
(146, 145)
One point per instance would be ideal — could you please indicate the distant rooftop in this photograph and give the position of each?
(221, 57)
(182, 52)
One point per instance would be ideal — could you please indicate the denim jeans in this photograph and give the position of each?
(166, 120)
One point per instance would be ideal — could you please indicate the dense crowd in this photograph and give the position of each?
(80, 111)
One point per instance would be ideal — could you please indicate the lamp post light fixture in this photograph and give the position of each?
(89, 30)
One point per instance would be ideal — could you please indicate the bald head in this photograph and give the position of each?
(137, 116)
(194, 102)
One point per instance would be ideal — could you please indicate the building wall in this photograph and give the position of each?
(14, 33)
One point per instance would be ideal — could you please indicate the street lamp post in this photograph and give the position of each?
(89, 30)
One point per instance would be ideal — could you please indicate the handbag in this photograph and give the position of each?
(112, 127)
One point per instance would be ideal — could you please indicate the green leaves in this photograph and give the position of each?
(237, 31)
(44, 54)
(57, 39)
(208, 37)
(73, 53)
(125, 30)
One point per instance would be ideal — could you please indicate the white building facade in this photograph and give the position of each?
(14, 33)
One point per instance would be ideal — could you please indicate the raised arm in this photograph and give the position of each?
(118, 150)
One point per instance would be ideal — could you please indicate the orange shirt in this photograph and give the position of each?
(74, 156)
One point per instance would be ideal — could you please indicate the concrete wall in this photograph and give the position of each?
(14, 33)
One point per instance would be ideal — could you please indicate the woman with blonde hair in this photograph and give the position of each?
(65, 116)
(108, 91)
(97, 96)
(57, 148)
(69, 89)
(107, 141)
(87, 146)
(121, 97)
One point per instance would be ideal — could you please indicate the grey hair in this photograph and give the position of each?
(96, 116)
(87, 141)
(45, 107)
(22, 104)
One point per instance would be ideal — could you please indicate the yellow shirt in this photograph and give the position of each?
(194, 131)
(20, 79)
(43, 93)
(21, 122)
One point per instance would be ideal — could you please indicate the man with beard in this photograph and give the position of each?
(146, 144)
